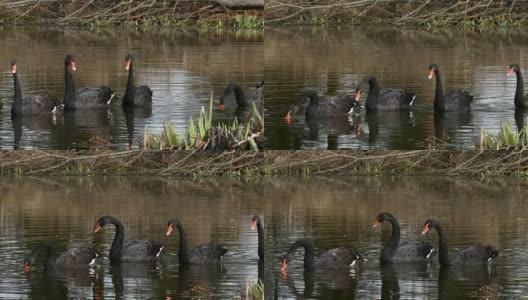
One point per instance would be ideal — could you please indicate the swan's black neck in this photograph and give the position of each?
(239, 94)
(372, 97)
(119, 238)
(395, 236)
(313, 106)
(182, 252)
(51, 254)
(130, 91)
(308, 252)
(519, 90)
(439, 92)
(260, 230)
(18, 90)
(443, 255)
(70, 86)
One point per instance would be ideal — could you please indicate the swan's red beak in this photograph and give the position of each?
(284, 266)
(253, 225)
(221, 107)
(376, 224)
(425, 229)
(358, 95)
(169, 229)
(97, 228)
(72, 64)
(288, 117)
(127, 66)
(13, 69)
(510, 72)
(26, 267)
(431, 73)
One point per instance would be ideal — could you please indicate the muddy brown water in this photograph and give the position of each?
(182, 67)
(332, 213)
(333, 60)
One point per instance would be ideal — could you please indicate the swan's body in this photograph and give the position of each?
(85, 98)
(397, 251)
(135, 96)
(129, 250)
(520, 100)
(455, 100)
(385, 99)
(338, 258)
(244, 102)
(472, 255)
(73, 258)
(206, 253)
(321, 107)
(31, 104)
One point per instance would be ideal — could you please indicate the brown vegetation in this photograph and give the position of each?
(120, 11)
(420, 12)
(258, 163)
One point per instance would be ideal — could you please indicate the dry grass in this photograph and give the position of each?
(420, 12)
(266, 163)
(149, 12)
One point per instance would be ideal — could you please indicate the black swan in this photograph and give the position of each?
(243, 102)
(85, 98)
(455, 100)
(338, 258)
(129, 250)
(520, 100)
(202, 254)
(340, 105)
(255, 223)
(140, 96)
(385, 99)
(472, 255)
(78, 257)
(32, 104)
(397, 251)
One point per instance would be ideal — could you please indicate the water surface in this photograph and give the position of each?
(182, 67)
(333, 61)
(331, 212)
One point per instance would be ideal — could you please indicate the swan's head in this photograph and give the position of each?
(171, 224)
(294, 109)
(101, 223)
(128, 61)
(285, 260)
(382, 217)
(513, 69)
(358, 94)
(432, 69)
(28, 262)
(221, 104)
(428, 225)
(70, 61)
(13, 66)
(254, 222)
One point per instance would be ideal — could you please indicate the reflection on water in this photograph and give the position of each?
(341, 211)
(331, 212)
(333, 61)
(181, 67)
(65, 210)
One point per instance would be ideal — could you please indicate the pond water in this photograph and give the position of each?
(182, 67)
(331, 212)
(333, 61)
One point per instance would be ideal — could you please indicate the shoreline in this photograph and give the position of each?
(306, 163)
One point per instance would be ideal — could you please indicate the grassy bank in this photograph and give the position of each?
(469, 13)
(145, 14)
(485, 163)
